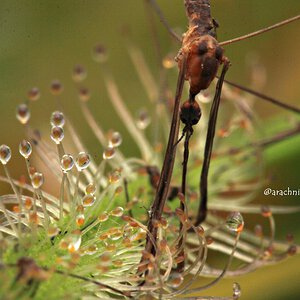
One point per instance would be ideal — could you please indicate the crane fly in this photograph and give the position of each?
(199, 59)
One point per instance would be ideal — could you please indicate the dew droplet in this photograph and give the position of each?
(99, 53)
(143, 119)
(117, 212)
(114, 177)
(67, 163)
(28, 203)
(117, 263)
(57, 119)
(80, 220)
(5, 154)
(103, 217)
(90, 189)
(109, 153)
(116, 236)
(118, 190)
(57, 134)
(169, 61)
(175, 280)
(209, 240)
(52, 231)
(37, 180)
(290, 237)
(74, 241)
(105, 259)
(103, 236)
(34, 94)
(88, 200)
(82, 161)
(265, 211)
(56, 87)
(25, 149)
(16, 209)
(90, 250)
(23, 113)
(80, 208)
(292, 250)
(235, 222)
(33, 218)
(236, 291)
(79, 73)
(84, 94)
(115, 140)
(111, 247)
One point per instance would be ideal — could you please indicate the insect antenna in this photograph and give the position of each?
(258, 32)
(164, 21)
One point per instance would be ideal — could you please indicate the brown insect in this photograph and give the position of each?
(198, 60)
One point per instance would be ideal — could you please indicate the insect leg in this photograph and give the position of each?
(167, 169)
(265, 97)
(202, 211)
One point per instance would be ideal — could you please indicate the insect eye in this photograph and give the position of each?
(219, 53)
(202, 48)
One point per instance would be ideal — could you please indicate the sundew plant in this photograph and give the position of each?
(95, 231)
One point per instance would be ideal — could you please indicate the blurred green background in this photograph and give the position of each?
(43, 40)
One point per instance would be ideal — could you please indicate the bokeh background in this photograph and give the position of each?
(43, 40)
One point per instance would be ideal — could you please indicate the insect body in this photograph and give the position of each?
(204, 55)
(198, 60)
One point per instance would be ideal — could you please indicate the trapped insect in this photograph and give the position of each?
(126, 227)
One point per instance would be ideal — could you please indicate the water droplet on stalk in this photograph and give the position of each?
(80, 220)
(235, 222)
(57, 134)
(34, 94)
(292, 250)
(175, 280)
(52, 231)
(25, 149)
(99, 53)
(115, 140)
(90, 189)
(169, 61)
(143, 120)
(57, 119)
(79, 73)
(74, 241)
(56, 87)
(67, 163)
(266, 212)
(109, 153)
(236, 291)
(117, 212)
(91, 250)
(88, 200)
(103, 217)
(5, 154)
(114, 177)
(84, 94)
(23, 113)
(37, 180)
(82, 161)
